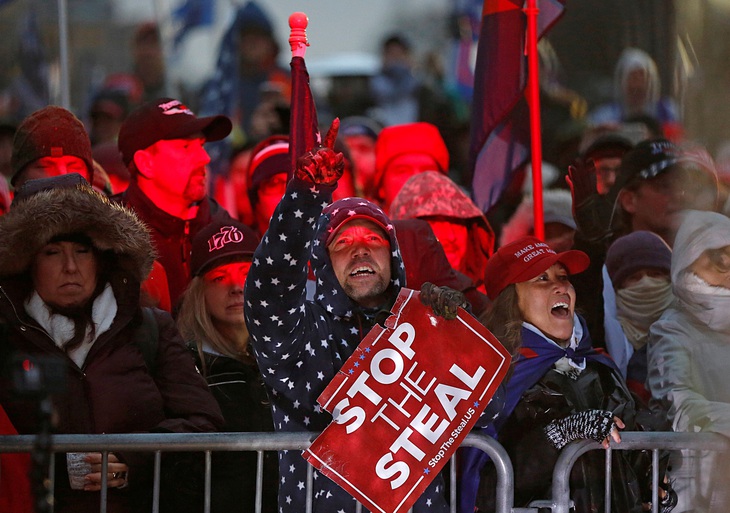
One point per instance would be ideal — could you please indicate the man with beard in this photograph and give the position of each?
(161, 143)
(301, 344)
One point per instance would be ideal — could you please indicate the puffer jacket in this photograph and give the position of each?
(300, 345)
(113, 391)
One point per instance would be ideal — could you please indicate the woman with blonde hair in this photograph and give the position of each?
(212, 323)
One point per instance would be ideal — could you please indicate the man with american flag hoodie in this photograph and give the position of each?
(300, 345)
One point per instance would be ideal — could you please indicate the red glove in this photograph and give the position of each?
(322, 165)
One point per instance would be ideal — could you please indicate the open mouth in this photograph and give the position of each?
(561, 310)
(362, 271)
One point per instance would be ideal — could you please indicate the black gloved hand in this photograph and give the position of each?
(591, 211)
(582, 181)
(592, 424)
(444, 301)
(322, 165)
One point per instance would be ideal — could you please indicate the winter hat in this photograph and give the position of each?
(268, 158)
(220, 240)
(524, 259)
(164, 119)
(397, 140)
(635, 251)
(251, 18)
(50, 132)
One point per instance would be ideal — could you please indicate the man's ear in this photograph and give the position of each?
(143, 162)
(627, 200)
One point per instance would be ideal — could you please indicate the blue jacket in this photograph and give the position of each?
(299, 344)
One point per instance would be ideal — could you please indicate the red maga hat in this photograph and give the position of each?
(524, 259)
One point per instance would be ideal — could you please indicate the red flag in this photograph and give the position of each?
(303, 125)
(500, 128)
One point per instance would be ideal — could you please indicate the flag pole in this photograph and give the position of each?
(303, 117)
(533, 101)
(65, 99)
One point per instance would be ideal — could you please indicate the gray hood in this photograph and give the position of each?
(698, 232)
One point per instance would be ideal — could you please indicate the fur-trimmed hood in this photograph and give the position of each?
(33, 222)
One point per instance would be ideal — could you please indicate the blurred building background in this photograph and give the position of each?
(687, 39)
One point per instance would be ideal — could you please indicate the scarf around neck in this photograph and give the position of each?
(61, 329)
(639, 305)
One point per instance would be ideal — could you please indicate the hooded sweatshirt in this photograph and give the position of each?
(689, 355)
(432, 194)
(300, 344)
(689, 346)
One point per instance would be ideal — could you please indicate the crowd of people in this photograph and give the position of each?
(178, 298)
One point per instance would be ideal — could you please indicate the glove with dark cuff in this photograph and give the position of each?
(592, 424)
(444, 301)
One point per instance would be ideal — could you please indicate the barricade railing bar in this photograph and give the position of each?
(559, 502)
(213, 442)
(654, 441)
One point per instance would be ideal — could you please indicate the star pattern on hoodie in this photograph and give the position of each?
(300, 345)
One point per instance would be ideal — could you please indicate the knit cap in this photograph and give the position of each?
(50, 132)
(635, 251)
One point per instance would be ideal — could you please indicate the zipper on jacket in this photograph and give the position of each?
(186, 247)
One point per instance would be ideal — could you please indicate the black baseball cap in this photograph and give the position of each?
(647, 160)
(220, 241)
(163, 119)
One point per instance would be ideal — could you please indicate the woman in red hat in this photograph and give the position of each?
(560, 388)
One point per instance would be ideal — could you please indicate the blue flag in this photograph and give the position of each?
(500, 125)
(191, 14)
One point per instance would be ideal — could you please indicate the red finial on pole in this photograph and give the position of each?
(298, 22)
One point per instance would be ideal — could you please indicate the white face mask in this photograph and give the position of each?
(709, 304)
(640, 304)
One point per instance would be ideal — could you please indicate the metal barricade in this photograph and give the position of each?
(654, 441)
(259, 442)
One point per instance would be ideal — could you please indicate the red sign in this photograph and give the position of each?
(404, 400)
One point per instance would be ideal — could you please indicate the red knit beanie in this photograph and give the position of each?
(50, 132)
(409, 138)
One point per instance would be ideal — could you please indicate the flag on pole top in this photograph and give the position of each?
(304, 132)
(500, 127)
